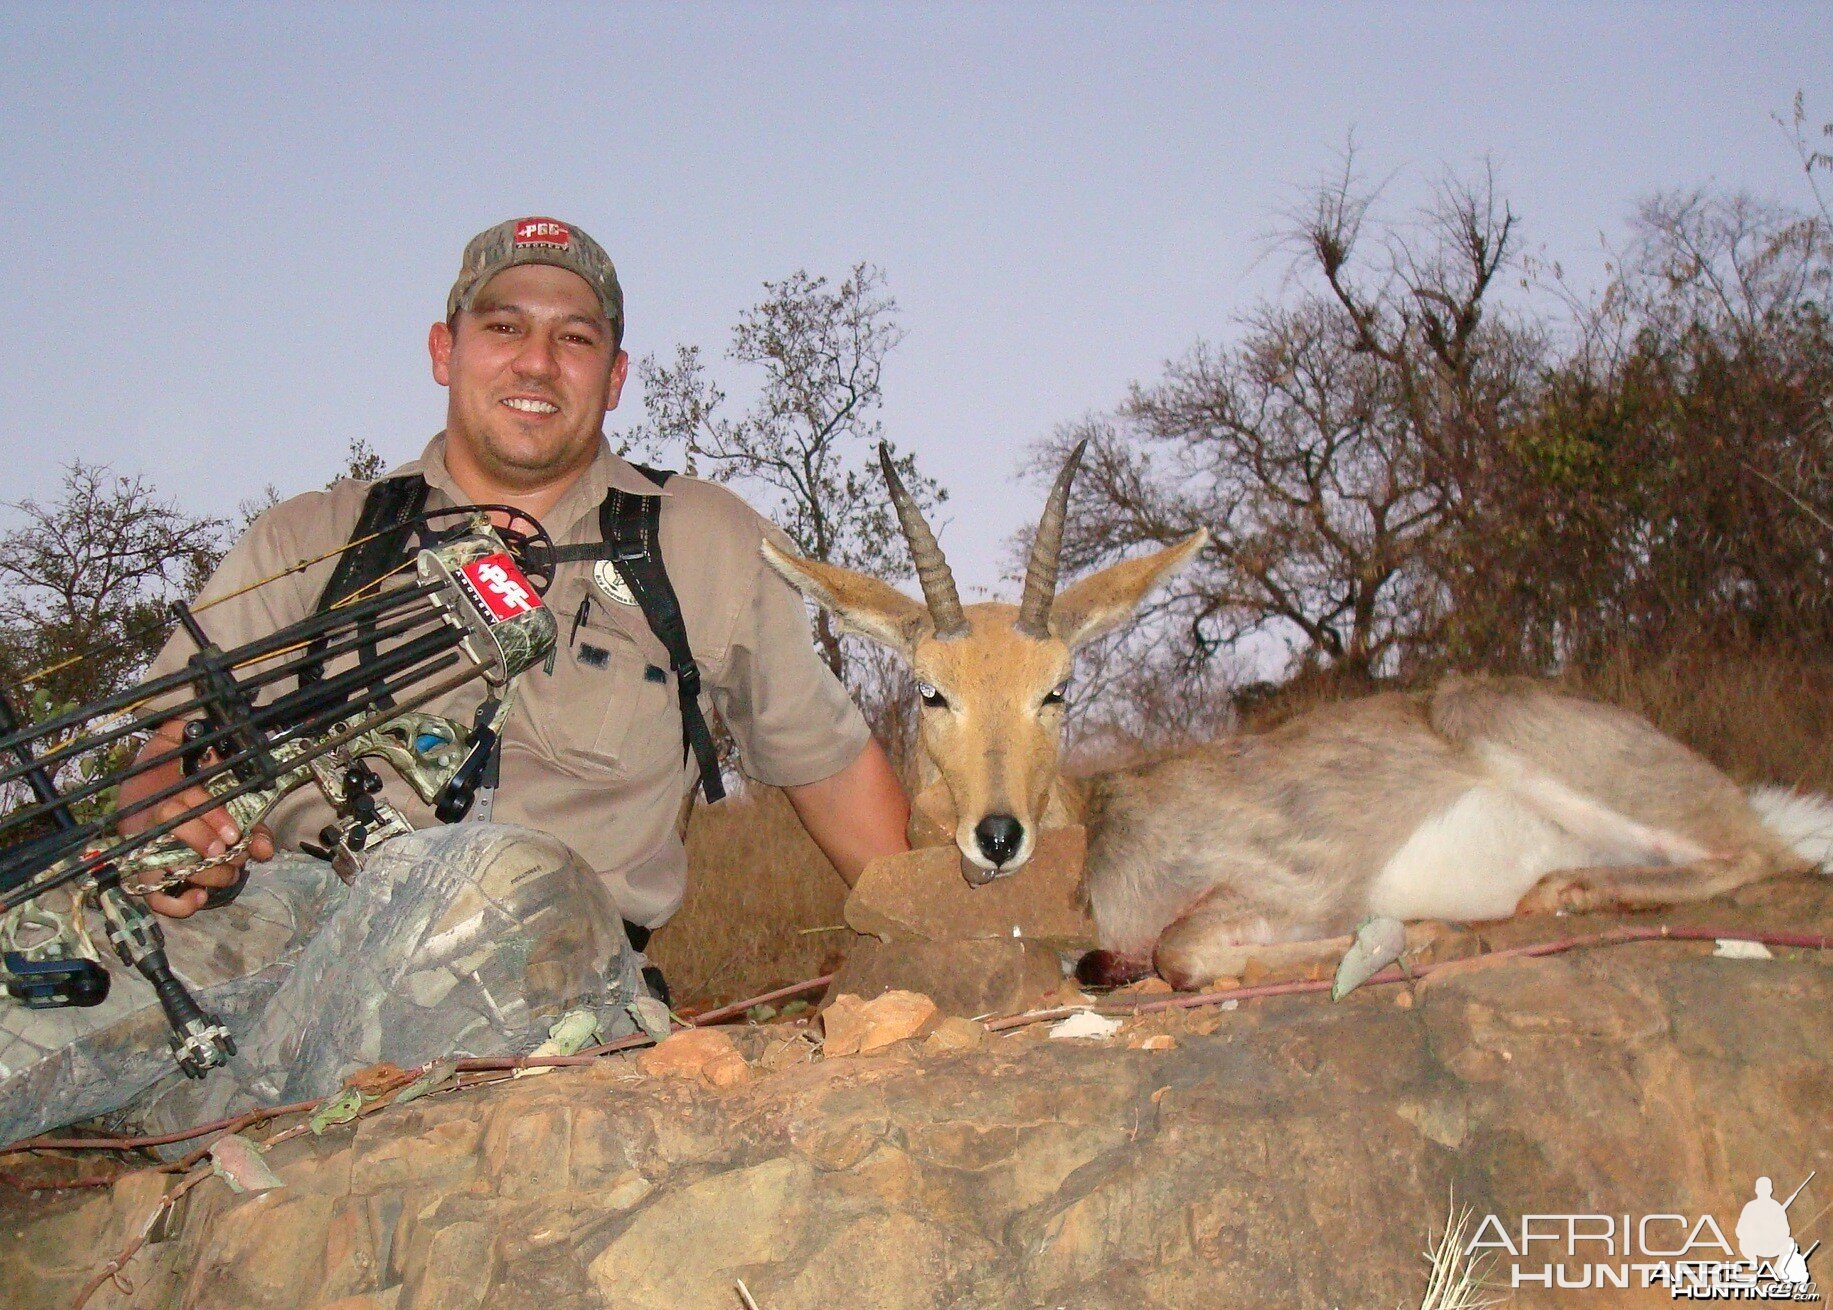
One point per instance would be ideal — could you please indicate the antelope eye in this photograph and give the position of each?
(1056, 694)
(931, 697)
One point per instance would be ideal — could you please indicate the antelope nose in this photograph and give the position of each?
(998, 836)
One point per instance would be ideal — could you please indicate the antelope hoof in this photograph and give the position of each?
(1562, 895)
(1110, 969)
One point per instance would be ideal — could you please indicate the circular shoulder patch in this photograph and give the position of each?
(611, 582)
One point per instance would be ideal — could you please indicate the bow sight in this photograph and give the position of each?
(251, 737)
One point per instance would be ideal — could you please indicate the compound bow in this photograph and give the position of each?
(470, 612)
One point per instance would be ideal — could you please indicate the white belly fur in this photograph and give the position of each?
(1477, 857)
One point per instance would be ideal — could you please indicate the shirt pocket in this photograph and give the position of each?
(615, 714)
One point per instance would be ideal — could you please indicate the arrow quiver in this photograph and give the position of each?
(256, 730)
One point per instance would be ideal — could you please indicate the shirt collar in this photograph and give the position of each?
(608, 471)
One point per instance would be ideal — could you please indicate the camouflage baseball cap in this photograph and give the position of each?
(538, 241)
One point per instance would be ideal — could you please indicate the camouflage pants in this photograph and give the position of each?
(470, 939)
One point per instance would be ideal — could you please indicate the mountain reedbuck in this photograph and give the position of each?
(1470, 801)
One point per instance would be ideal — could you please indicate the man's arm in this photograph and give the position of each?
(856, 815)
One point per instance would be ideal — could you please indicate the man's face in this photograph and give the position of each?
(532, 368)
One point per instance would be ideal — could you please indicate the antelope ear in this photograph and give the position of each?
(863, 605)
(1101, 602)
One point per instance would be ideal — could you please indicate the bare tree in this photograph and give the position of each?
(1814, 161)
(361, 462)
(1335, 452)
(88, 576)
(804, 450)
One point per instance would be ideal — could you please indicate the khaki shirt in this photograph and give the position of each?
(592, 752)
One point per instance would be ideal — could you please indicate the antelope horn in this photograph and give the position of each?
(1041, 573)
(932, 569)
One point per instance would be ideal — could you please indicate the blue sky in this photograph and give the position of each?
(229, 232)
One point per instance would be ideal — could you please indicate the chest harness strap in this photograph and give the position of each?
(387, 520)
(630, 539)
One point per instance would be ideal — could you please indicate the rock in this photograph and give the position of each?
(992, 975)
(626, 1191)
(895, 1017)
(857, 1027)
(1028, 1172)
(388, 1300)
(842, 1025)
(530, 1154)
(686, 1053)
(685, 1247)
(457, 1272)
(444, 1153)
(886, 1258)
(956, 1034)
(783, 1052)
(728, 1070)
(921, 896)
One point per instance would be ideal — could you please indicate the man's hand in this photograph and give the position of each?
(209, 834)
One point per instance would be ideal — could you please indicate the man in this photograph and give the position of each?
(477, 936)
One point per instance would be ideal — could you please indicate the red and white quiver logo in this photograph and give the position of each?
(500, 588)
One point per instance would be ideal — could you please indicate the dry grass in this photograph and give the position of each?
(1760, 717)
(1455, 1281)
(757, 883)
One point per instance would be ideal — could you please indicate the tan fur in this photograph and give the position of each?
(1298, 825)
(995, 743)
(1462, 802)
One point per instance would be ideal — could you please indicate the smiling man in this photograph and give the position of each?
(475, 937)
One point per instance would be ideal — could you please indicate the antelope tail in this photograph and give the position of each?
(1802, 819)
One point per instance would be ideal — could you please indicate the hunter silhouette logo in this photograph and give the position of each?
(1765, 1238)
(1686, 1254)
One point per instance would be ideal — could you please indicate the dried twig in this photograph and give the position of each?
(1609, 937)
(112, 1271)
(1795, 499)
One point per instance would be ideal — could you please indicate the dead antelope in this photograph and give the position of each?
(1466, 802)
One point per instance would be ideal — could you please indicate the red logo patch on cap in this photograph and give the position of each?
(542, 232)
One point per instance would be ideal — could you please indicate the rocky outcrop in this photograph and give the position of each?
(1286, 1152)
(974, 950)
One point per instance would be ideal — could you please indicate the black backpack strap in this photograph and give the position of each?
(387, 522)
(630, 526)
